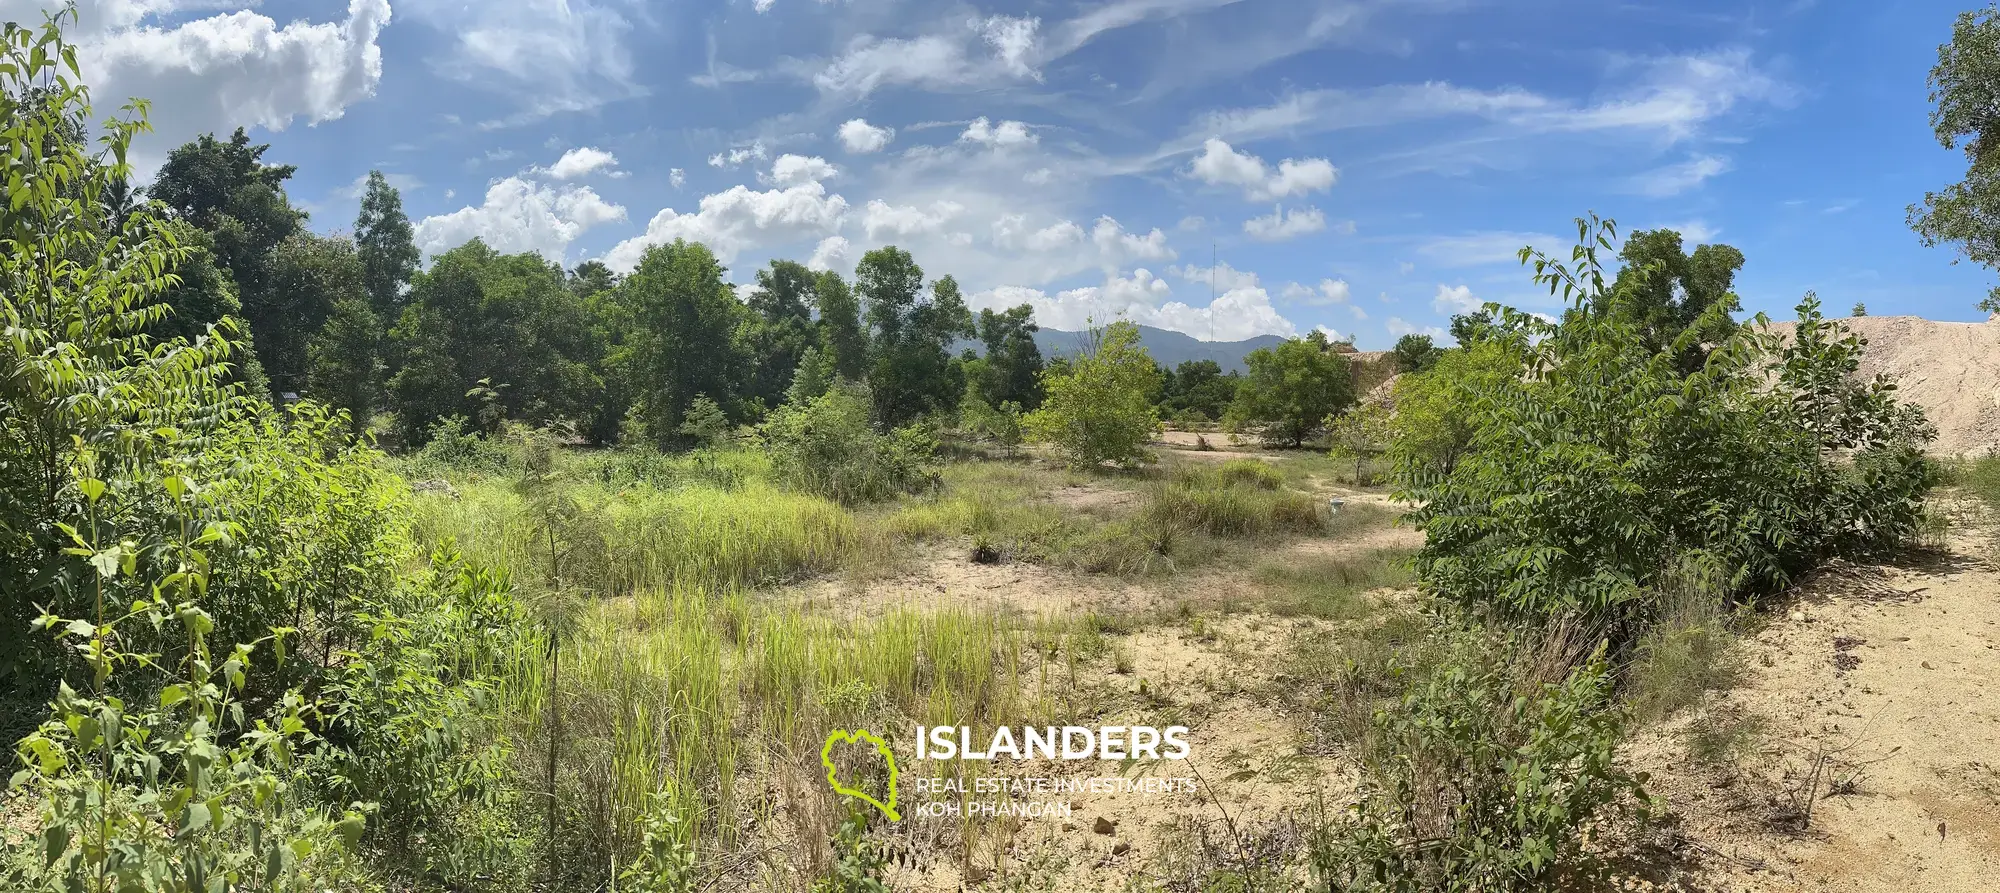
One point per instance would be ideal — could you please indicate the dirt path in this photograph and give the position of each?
(1895, 672)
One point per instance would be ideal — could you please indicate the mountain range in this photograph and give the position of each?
(1169, 349)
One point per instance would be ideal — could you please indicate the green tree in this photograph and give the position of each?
(1292, 390)
(911, 370)
(841, 335)
(683, 317)
(1860, 309)
(306, 277)
(509, 320)
(345, 366)
(388, 248)
(1965, 87)
(596, 286)
(1438, 410)
(1667, 291)
(778, 330)
(1098, 406)
(1415, 353)
(1468, 328)
(1198, 387)
(1013, 362)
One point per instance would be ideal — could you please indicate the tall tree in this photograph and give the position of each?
(1013, 367)
(1198, 387)
(841, 335)
(1965, 86)
(305, 278)
(509, 320)
(911, 370)
(778, 330)
(388, 247)
(596, 286)
(344, 367)
(1292, 389)
(227, 190)
(1666, 291)
(680, 347)
(1100, 403)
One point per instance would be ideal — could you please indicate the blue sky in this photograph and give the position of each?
(1368, 167)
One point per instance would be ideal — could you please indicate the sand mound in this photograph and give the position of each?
(1951, 369)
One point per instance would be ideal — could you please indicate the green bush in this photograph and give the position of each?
(827, 447)
(1588, 470)
(1099, 406)
(1292, 390)
(1250, 473)
(1475, 781)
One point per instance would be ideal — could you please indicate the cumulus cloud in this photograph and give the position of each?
(546, 56)
(794, 170)
(677, 177)
(520, 215)
(738, 155)
(582, 162)
(737, 219)
(1120, 246)
(1455, 299)
(883, 220)
(1399, 327)
(1013, 41)
(1221, 277)
(829, 254)
(861, 137)
(1005, 135)
(1280, 224)
(1329, 291)
(1143, 298)
(1221, 165)
(213, 74)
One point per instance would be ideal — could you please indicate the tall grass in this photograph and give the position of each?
(712, 709)
(644, 537)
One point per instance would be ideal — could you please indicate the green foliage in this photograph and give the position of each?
(778, 330)
(1587, 476)
(704, 425)
(1859, 310)
(471, 301)
(680, 346)
(842, 337)
(1666, 292)
(1243, 498)
(1292, 390)
(1965, 86)
(998, 424)
(345, 368)
(1437, 411)
(911, 371)
(386, 242)
(1099, 406)
(827, 447)
(1197, 390)
(1478, 782)
(1012, 372)
(857, 862)
(1415, 353)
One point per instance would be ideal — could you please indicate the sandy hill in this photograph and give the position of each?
(1951, 369)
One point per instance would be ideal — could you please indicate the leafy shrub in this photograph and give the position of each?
(1477, 782)
(1291, 390)
(828, 448)
(1586, 471)
(1099, 405)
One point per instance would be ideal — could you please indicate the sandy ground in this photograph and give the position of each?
(1894, 673)
(1951, 369)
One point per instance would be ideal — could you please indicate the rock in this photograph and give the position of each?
(1798, 616)
(1104, 825)
(1122, 847)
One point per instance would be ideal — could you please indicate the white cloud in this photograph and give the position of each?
(548, 55)
(793, 170)
(1399, 327)
(520, 215)
(738, 155)
(762, 6)
(1406, 268)
(1119, 246)
(1694, 232)
(993, 50)
(1143, 298)
(1329, 291)
(737, 219)
(1221, 277)
(1280, 224)
(861, 137)
(1013, 41)
(213, 74)
(1484, 248)
(830, 253)
(1674, 179)
(1455, 299)
(1006, 135)
(402, 182)
(677, 177)
(582, 162)
(883, 220)
(1221, 165)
